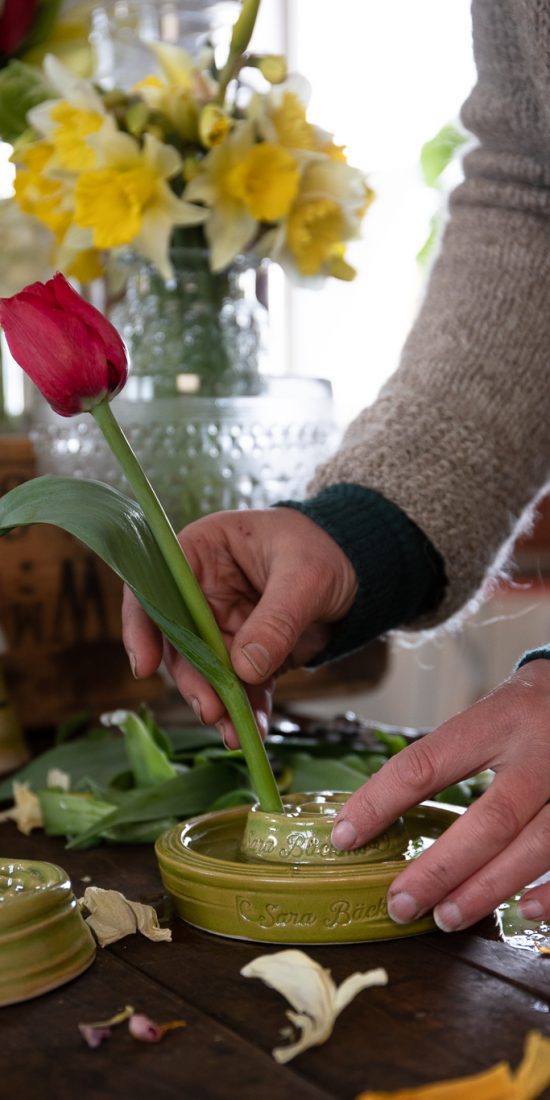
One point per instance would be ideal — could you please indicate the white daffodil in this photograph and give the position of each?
(126, 199)
(309, 988)
(80, 93)
(68, 120)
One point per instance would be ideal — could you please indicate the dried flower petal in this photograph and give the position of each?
(25, 811)
(56, 777)
(147, 1031)
(95, 1033)
(311, 991)
(112, 916)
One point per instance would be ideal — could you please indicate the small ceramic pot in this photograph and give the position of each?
(302, 833)
(44, 940)
(219, 889)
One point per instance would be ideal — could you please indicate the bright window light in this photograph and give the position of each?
(385, 78)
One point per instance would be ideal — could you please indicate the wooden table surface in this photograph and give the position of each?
(454, 1004)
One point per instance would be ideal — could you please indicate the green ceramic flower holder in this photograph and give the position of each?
(302, 834)
(44, 941)
(275, 878)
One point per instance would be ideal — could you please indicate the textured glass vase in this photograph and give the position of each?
(212, 429)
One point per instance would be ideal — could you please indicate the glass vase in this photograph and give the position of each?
(122, 29)
(211, 427)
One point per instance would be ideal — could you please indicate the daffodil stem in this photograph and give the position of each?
(202, 619)
(242, 33)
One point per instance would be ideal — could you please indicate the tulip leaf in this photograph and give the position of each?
(116, 529)
(99, 756)
(187, 794)
(105, 520)
(320, 774)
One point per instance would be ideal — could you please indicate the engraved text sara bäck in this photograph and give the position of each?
(340, 913)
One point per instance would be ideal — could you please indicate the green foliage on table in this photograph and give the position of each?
(130, 783)
(138, 543)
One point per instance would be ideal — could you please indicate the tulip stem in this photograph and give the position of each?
(165, 536)
(202, 619)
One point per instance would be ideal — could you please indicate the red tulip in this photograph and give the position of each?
(16, 21)
(70, 351)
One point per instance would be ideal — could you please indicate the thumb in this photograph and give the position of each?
(288, 606)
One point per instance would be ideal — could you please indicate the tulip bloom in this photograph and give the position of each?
(16, 20)
(70, 351)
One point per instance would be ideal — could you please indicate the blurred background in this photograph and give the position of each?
(388, 81)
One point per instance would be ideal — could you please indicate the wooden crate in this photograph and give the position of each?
(60, 612)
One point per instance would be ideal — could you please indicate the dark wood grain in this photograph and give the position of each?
(454, 1005)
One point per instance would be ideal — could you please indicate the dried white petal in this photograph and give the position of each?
(309, 988)
(26, 811)
(112, 916)
(56, 777)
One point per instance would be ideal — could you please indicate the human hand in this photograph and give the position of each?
(502, 842)
(275, 582)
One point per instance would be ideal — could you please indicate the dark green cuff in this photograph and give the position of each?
(542, 652)
(400, 574)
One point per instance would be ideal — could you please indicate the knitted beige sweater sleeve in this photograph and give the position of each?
(459, 438)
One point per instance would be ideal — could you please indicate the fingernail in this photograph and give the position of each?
(222, 727)
(262, 722)
(258, 656)
(531, 909)
(196, 708)
(402, 908)
(448, 916)
(343, 835)
(133, 666)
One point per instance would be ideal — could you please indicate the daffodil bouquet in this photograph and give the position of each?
(193, 153)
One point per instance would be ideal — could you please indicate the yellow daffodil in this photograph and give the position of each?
(80, 93)
(72, 127)
(38, 193)
(126, 199)
(76, 255)
(181, 90)
(66, 122)
(103, 169)
(244, 183)
(326, 214)
(214, 125)
(282, 116)
(182, 71)
(175, 104)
